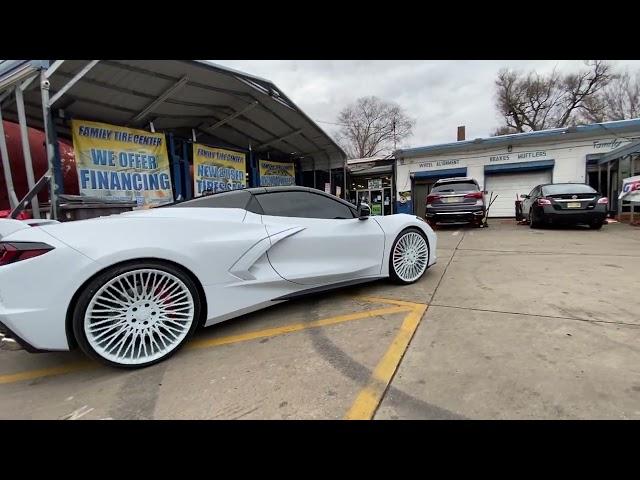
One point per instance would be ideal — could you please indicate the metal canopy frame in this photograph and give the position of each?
(220, 104)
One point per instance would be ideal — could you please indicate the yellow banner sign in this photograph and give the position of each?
(118, 163)
(275, 174)
(217, 170)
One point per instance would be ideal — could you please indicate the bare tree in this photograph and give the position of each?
(504, 130)
(371, 126)
(619, 100)
(532, 101)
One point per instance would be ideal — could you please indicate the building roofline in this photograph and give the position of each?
(614, 128)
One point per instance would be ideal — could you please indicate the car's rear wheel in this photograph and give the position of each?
(596, 225)
(137, 314)
(409, 256)
(534, 222)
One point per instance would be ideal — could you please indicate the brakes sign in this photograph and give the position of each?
(630, 189)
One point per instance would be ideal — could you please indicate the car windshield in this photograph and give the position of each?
(456, 187)
(565, 188)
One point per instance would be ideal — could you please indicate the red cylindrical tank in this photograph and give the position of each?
(40, 164)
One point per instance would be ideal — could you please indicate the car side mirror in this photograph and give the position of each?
(363, 211)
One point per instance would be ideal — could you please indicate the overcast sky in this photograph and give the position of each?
(440, 95)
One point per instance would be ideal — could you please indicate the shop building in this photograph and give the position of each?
(371, 181)
(511, 165)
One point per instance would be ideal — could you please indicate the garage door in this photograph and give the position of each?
(508, 185)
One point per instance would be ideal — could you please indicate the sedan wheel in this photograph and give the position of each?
(137, 317)
(409, 257)
(533, 222)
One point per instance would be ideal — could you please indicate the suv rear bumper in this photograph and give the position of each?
(472, 213)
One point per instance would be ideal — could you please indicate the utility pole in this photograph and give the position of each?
(394, 135)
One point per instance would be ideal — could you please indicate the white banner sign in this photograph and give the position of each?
(630, 189)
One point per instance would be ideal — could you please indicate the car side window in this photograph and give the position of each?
(534, 192)
(302, 204)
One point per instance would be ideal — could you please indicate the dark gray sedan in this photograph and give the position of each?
(565, 203)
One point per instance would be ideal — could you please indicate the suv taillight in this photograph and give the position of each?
(16, 251)
(544, 201)
(477, 195)
(604, 200)
(432, 198)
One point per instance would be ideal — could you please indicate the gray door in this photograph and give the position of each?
(420, 191)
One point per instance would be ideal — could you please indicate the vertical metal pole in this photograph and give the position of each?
(48, 128)
(632, 167)
(6, 166)
(255, 169)
(599, 178)
(26, 151)
(344, 178)
(618, 187)
(174, 161)
(609, 184)
(187, 172)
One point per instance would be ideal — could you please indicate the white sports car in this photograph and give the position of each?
(130, 289)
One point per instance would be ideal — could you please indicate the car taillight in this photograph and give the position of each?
(477, 195)
(544, 201)
(16, 251)
(604, 200)
(432, 198)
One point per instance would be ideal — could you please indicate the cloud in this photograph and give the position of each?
(440, 95)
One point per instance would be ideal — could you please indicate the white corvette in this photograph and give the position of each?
(130, 289)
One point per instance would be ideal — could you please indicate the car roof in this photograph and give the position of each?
(290, 188)
(457, 179)
(262, 190)
(563, 183)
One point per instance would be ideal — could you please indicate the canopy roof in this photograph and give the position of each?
(224, 106)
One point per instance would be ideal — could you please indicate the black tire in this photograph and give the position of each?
(597, 225)
(96, 283)
(533, 221)
(392, 273)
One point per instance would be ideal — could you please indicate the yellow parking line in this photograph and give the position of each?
(391, 301)
(205, 343)
(294, 327)
(367, 401)
(46, 372)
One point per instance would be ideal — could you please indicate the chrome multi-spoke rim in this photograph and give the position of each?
(410, 256)
(139, 316)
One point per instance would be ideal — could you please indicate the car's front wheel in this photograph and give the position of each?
(409, 256)
(136, 314)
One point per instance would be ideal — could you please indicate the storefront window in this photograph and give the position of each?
(366, 183)
(376, 191)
